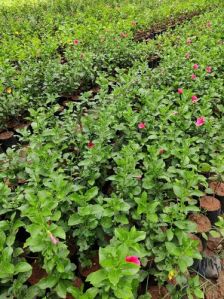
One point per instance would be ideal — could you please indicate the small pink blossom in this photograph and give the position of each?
(90, 144)
(187, 55)
(208, 69)
(209, 24)
(174, 112)
(76, 42)
(193, 76)
(189, 41)
(180, 91)
(54, 240)
(200, 121)
(133, 259)
(162, 151)
(194, 99)
(141, 125)
(138, 177)
(195, 66)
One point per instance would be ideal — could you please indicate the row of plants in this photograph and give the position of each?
(61, 47)
(110, 181)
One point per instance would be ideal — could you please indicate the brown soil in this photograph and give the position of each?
(78, 282)
(208, 252)
(203, 223)
(210, 203)
(214, 243)
(37, 273)
(21, 126)
(95, 266)
(216, 291)
(162, 27)
(158, 292)
(6, 135)
(200, 246)
(217, 187)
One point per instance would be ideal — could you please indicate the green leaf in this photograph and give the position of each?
(47, 282)
(198, 293)
(114, 276)
(91, 193)
(214, 234)
(178, 190)
(169, 234)
(172, 248)
(22, 267)
(61, 288)
(97, 277)
(74, 219)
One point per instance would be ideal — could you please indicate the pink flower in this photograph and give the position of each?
(194, 99)
(54, 240)
(208, 69)
(161, 151)
(189, 41)
(133, 259)
(180, 90)
(174, 112)
(200, 121)
(193, 76)
(209, 24)
(138, 177)
(76, 42)
(195, 66)
(187, 55)
(141, 125)
(90, 144)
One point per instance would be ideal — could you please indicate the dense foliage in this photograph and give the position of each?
(116, 173)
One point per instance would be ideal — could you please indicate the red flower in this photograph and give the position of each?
(141, 125)
(194, 99)
(208, 69)
(193, 76)
(195, 66)
(180, 91)
(90, 144)
(200, 121)
(76, 42)
(133, 259)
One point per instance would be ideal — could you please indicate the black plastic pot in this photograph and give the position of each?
(8, 141)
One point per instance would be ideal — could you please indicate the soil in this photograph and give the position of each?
(158, 292)
(216, 291)
(37, 273)
(159, 28)
(154, 61)
(203, 223)
(210, 203)
(217, 187)
(95, 266)
(214, 243)
(6, 135)
(200, 246)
